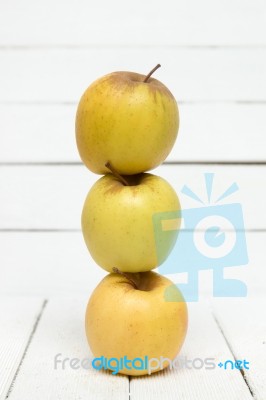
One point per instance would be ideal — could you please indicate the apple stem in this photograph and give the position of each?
(151, 72)
(117, 271)
(116, 174)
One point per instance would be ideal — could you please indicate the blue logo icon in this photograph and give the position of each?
(211, 237)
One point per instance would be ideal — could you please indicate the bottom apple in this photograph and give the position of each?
(136, 317)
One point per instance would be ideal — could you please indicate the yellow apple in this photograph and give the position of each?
(117, 221)
(130, 317)
(124, 119)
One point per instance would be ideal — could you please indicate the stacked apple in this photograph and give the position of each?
(127, 124)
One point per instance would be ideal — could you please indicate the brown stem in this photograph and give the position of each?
(151, 72)
(117, 271)
(116, 174)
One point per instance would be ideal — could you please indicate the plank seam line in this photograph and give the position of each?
(39, 230)
(34, 329)
(218, 162)
(78, 230)
(233, 353)
(79, 163)
(36, 102)
(95, 46)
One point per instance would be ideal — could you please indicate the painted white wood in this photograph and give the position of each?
(204, 340)
(18, 316)
(143, 23)
(208, 132)
(47, 263)
(37, 133)
(37, 197)
(244, 325)
(62, 75)
(61, 331)
(58, 263)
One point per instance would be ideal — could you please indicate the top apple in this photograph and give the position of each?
(128, 119)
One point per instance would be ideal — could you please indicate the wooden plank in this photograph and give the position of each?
(204, 340)
(18, 317)
(244, 326)
(41, 197)
(58, 263)
(103, 22)
(62, 75)
(37, 133)
(61, 331)
(47, 263)
(41, 133)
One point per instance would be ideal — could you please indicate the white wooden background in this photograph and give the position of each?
(213, 56)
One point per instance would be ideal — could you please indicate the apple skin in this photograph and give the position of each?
(122, 321)
(117, 222)
(126, 121)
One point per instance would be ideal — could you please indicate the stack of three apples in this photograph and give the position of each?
(126, 124)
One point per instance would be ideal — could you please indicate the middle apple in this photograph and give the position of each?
(117, 221)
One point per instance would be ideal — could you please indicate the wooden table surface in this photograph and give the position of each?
(213, 56)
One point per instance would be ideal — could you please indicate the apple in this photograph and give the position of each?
(128, 118)
(128, 316)
(117, 221)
